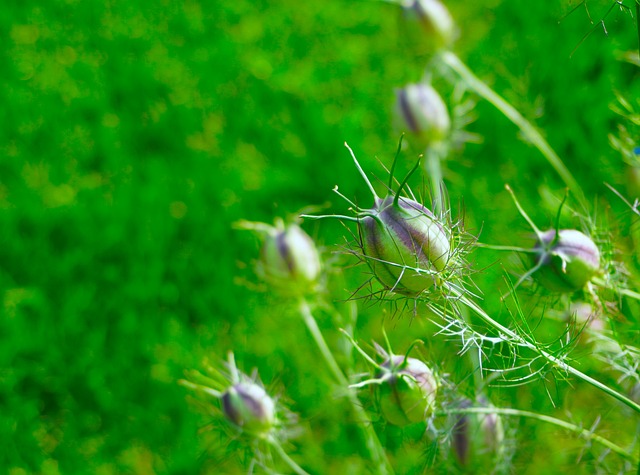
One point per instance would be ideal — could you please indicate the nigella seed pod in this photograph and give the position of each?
(248, 406)
(477, 437)
(400, 236)
(568, 260)
(434, 20)
(290, 260)
(405, 245)
(422, 114)
(460, 440)
(408, 393)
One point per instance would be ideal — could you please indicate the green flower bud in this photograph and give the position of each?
(399, 237)
(408, 394)
(567, 262)
(248, 406)
(422, 114)
(434, 20)
(477, 438)
(290, 260)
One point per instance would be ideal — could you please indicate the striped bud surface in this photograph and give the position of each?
(568, 263)
(422, 114)
(477, 439)
(248, 406)
(400, 237)
(409, 393)
(434, 20)
(290, 260)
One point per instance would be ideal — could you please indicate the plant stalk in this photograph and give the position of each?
(548, 419)
(374, 447)
(546, 355)
(451, 60)
(433, 169)
(288, 460)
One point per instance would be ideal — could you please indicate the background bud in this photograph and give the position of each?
(248, 406)
(422, 114)
(477, 439)
(569, 263)
(290, 260)
(409, 394)
(404, 234)
(434, 20)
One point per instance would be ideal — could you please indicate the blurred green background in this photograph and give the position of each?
(135, 133)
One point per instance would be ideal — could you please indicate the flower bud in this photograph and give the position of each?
(248, 406)
(422, 114)
(409, 393)
(399, 237)
(568, 262)
(290, 260)
(477, 437)
(434, 20)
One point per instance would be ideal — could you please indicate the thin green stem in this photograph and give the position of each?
(589, 435)
(433, 168)
(528, 130)
(626, 292)
(288, 460)
(546, 355)
(376, 451)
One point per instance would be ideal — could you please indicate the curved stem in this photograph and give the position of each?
(626, 292)
(528, 130)
(550, 420)
(546, 355)
(288, 460)
(374, 447)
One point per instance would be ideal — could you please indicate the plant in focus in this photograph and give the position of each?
(414, 252)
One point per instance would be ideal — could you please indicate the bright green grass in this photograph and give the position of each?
(135, 133)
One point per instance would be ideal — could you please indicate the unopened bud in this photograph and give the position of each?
(409, 393)
(569, 260)
(434, 19)
(400, 238)
(290, 260)
(248, 406)
(477, 438)
(422, 114)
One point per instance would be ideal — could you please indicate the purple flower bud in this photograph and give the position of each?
(569, 261)
(476, 436)
(248, 406)
(409, 393)
(400, 237)
(461, 440)
(422, 114)
(434, 19)
(290, 260)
